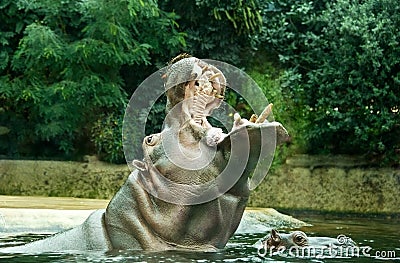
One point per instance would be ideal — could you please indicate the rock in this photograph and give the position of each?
(262, 220)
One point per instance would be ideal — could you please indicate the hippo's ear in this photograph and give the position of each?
(275, 235)
(141, 166)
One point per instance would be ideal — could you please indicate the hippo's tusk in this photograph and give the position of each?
(264, 115)
(215, 76)
(253, 118)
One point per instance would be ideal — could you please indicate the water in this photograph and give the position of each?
(381, 235)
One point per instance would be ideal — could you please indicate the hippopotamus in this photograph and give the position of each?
(281, 242)
(165, 205)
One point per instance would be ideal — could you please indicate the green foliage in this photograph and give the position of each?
(107, 133)
(66, 65)
(273, 82)
(156, 116)
(244, 16)
(63, 64)
(343, 70)
(218, 30)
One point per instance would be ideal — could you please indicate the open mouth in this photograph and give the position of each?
(204, 93)
(201, 90)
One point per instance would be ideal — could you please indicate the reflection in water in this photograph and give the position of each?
(380, 235)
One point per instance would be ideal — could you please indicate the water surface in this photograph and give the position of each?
(381, 235)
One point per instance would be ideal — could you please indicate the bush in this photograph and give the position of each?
(107, 138)
(67, 65)
(216, 29)
(272, 82)
(61, 68)
(342, 62)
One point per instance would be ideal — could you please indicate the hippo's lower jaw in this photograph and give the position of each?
(135, 219)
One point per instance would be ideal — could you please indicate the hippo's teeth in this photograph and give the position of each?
(253, 118)
(206, 88)
(237, 117)
(217, 75)
(264, 115)
(199, 106)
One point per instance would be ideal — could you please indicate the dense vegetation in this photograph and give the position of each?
(342, 72)
(68, 68)
(67, 65)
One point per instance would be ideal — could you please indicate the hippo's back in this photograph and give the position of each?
(90, 235)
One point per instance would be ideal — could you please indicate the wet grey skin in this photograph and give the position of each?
(276, 241)
(137, 217)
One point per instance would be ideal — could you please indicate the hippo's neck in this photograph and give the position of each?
(136, 219)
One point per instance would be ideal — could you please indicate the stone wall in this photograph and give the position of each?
(330, 183)
(91, 179)
(327, 183)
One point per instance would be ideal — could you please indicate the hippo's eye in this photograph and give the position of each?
(300, 240)
(150, 140)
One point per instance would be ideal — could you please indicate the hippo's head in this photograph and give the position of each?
(276, 241)
(189, 157)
